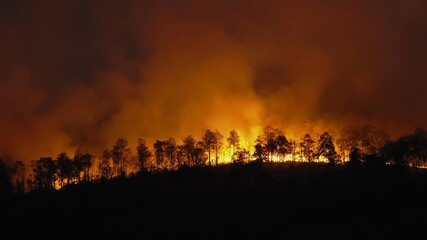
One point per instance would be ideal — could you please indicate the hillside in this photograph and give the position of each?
(295, 200)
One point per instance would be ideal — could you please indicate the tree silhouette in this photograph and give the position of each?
(65, 168)
(270, 132)
(421, 136)
(160, 152)
(283, 146)
(271, 147)
(233, 140)
(209, 140)
(200, 157)
(31, 181)
(180, 155)
(344, 144)
(144, 155)
(44, 173)
(348, 139)
(355, 158)
(269, 139)
(387, 151)
(82, 164)
(260, 154)
(6, 187)
(105, 166)
(217, 145)
(240, 156)
(189, 145)
(293, 149)
(407, 149)
(307, 147)
(171, 152)
(326, 148)
(417, 149)
(19, 175)
(401, 151)
(371, 139)
(120, 154)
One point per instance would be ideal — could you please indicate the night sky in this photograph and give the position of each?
(80, 74)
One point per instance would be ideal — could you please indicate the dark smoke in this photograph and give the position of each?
(80, 74)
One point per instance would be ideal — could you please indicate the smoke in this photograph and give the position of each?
(80, 74)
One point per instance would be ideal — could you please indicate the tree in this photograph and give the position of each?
(326, 148)
(65, 168)
(6, 187)
(271, 147)
(160, 152)
(144, 155)
(260, 154)
(387, 151)
(171, 152)
(83, 163)
(283, 146)
(371, 139)
(418, 147)
(217, 145)
(355, 158)
(180, 155)
(240, 156)
(345, 144)
(293, 149)
(269, 140)
(209, 140)
(199, 152)
(120, 154)
(31, 180)
(271, 132)
(233, 140)
(189, 144)
(44, 173)
(400, 151)
(133, 165)
(104, 165)
(307, 147)
(409, 149)
(19, 176)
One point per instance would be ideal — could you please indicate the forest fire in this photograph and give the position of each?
(166, 118)
(175, 81)
(168, 71)
(364, 146)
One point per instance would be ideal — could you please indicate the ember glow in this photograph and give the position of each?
(77, 75)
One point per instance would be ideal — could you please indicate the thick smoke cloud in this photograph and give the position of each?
(80, 74)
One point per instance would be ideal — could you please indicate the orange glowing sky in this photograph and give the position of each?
(80, 74)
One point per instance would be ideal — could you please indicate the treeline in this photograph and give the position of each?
(356, 148)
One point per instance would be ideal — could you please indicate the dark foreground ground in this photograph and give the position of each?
(269, 201)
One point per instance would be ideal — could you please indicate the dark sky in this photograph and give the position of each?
(80, 74)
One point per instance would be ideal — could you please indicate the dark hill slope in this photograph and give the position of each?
(282, 200)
